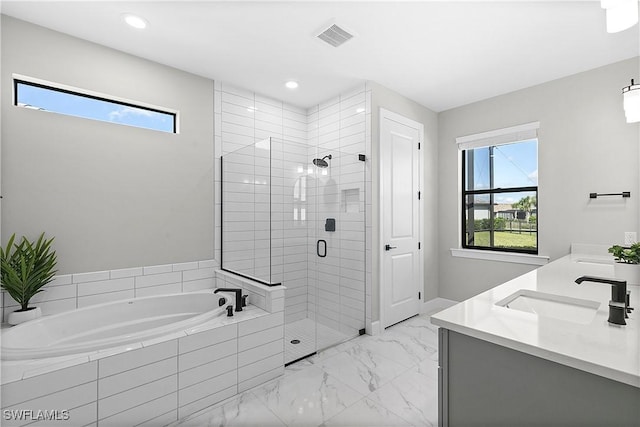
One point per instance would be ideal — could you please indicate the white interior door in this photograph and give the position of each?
(401, 275)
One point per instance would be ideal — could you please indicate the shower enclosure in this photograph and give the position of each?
(293, 215)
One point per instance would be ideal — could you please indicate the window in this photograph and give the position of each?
(500, 190)
(40, 96)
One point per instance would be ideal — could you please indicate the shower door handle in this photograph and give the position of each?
(324, 254)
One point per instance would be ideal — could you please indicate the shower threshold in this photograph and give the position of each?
(311, 338)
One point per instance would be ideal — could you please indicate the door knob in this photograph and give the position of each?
(389, 247)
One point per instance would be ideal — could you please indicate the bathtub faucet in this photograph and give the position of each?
(237, 291)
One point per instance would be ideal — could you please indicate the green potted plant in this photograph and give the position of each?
(627, 265)
(25, 268)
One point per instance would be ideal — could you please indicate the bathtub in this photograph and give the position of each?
(109, 325)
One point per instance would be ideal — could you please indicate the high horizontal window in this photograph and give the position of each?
(500, 192)
(39, 96)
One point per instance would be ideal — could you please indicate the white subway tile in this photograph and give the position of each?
(206, 355)
(131, 398)
(259, 338)
(104, 286)
(31, 388)
(207, 401)
(64, 399)
(229, 89)
(198, 285)
(206, 388)
(103, 298)
(257, 353)
(207, 338)
(132, 378)
(157, 269)
(158, 279)
(185, 266)
(260, 323)
(200, 273)
(260, 367)
(50, 294)
(90, 277)
(208, 370)
(126, 272)
(172, 288)
(133, 359)
(143, 413)
(61, 280)
(260, 379)
(164, 419)
(81, 416)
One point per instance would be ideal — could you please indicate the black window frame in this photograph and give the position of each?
(19, 81)
(491, 192)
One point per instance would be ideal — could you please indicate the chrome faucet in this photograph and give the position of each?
(619, 304)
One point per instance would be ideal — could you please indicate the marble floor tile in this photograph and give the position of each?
(246, 410)
(366, 413)
(417, 327)
(307, 398)
(401, 348)
(361, 368)
(413, 396)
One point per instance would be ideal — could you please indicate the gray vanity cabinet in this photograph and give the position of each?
(485, 384)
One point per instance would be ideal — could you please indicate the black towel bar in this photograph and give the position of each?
(624, 194)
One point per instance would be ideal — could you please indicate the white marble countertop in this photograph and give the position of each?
(597, 347)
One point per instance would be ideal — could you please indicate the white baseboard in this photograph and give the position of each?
(436, 304)
(375, 328)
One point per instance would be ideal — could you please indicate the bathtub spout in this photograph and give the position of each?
(237, 291)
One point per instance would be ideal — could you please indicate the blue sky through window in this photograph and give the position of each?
(91, 108)
(514, 165)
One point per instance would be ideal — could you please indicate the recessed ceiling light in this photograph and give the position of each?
(135, 21)
(291, 84)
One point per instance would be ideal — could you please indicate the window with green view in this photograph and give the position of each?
(500, 197)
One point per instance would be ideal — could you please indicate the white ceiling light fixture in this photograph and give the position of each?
(621, 14)
(135, 21)
(631, 95)
(291, 84)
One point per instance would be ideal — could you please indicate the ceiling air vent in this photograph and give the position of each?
(335, 36)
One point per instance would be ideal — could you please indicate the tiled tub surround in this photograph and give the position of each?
(154, 382)
(71, 291)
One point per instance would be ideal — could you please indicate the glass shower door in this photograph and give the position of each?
(337, 256)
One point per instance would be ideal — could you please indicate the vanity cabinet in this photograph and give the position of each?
(485, 384)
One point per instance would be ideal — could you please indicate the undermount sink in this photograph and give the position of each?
(570, 309)
(594, 261)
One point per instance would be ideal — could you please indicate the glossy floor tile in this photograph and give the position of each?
(389, 380)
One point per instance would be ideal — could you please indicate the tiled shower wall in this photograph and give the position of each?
(337, 282)
(243, 118)
(341, 127)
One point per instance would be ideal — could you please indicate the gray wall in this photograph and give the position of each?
(113, 196)
(585, 145)
(381, 97)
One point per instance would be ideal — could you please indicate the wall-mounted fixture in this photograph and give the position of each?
(621, 14)
(631, 101)
(624, 194)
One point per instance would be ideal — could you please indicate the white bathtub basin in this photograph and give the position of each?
(109, 325)
(553, 306)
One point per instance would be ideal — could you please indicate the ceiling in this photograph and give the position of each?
(442, 54)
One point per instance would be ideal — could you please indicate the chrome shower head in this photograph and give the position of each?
(322, 163)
